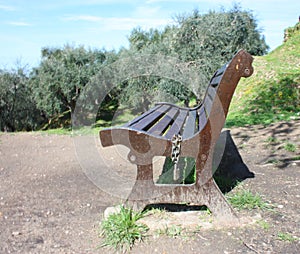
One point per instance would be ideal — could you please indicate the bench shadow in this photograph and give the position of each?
(231, 170)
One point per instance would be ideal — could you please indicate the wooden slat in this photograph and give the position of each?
(190, 125)
(221, 70)
(211, 92)
(146, 122)
(164, 122)
(177, 124)
(216, 81)
(135, 120)
(202, 118)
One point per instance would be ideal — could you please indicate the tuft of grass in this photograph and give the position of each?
(273, 161)
(121, 230)
(245, 199)
(290, 147)
(271, 140)
(264, 224)
(296, 158)
(287, 237)
(172, 231)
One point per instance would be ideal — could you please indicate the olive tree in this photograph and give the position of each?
(60, 77)
(17, 107)
(202, 41)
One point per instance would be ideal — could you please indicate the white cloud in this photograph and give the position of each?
(190, 1)
(18, 23)
(83, 18)
(7, 8)
(146, 11)
(120, 24)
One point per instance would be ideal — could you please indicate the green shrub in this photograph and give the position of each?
(121, 230)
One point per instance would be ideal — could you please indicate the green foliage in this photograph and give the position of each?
(291, 31)
(203, 42)
(264, 224)
(187, 169)
(211, 39)
(173, 231)
(17, 108)
(275, 96)
(286, 237)
(121, 230)
(62, 74)
(272, 93)
(245, 199)
(290, 147)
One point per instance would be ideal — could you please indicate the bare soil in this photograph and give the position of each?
(49, 205)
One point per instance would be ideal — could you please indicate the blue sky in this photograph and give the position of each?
(26, 26)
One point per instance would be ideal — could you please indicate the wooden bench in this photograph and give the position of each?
(167, 130)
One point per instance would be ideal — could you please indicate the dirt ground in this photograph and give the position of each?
(49, 205)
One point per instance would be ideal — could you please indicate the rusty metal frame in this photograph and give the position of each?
(144, 147)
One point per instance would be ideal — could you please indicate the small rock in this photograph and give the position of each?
(111, 210)
(15, 233)
(35, 240)
(280, 206)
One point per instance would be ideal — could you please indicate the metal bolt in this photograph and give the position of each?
(247, 71)
(132, 157)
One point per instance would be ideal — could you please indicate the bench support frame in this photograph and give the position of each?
(144, 147)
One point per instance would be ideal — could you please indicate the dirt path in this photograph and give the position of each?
(48, 205)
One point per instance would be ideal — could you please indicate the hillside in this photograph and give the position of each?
(272, 93)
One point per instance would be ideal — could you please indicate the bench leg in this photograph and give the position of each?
(216, 202)
(145, 191)
(143, 188)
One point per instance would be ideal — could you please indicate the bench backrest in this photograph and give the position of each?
(166, 120)
(221, 89)
(224, 81)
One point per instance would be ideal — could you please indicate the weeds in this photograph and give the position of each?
(271, 140)
(245, 199)
(121, 230)
(172, 231)
(290, 147)
(264, 224)
(286, 237)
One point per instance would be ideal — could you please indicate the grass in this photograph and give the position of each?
(177, 231)
(245, 199)
(272, 140)
(287, 237)
(271, 94)
(264, 224)
(273, 161)
(172, 231)
(296, 158)
(121, 230)
(187, 171)
(290, 147)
